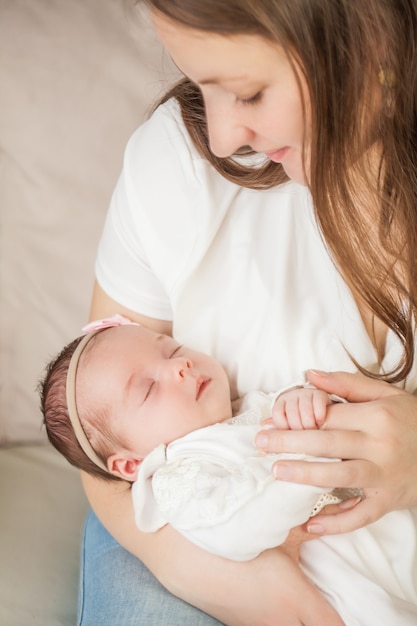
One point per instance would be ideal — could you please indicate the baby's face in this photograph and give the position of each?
(154, 389)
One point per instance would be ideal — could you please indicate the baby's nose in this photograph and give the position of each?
(179, 367)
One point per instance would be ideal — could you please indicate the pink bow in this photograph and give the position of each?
(108, 322)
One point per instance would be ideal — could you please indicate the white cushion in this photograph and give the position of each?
(42, 513)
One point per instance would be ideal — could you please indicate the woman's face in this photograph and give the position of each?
(251, 93)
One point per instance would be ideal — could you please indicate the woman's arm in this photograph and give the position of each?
(376, 434)
(104, 306)
(270, 589)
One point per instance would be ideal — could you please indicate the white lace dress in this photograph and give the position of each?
(215, 488)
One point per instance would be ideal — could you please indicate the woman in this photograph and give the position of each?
(228, 255)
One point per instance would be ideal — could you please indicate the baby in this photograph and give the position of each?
(123, 402)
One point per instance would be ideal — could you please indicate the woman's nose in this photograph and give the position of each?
(226, 132)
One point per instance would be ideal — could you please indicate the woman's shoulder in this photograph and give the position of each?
(165, 123)
(162, 144)
(167, 178)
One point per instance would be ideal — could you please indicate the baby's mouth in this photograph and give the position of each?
(201, 385)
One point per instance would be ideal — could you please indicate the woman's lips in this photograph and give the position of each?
(278, 155)
(201, 385)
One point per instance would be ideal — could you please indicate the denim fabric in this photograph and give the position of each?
(116, 589)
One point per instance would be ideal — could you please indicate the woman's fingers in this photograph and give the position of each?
(365, 512)
(296, 537)
(350, 474)
(375, 434)
(352, 387)
(383, 431)
(325, 443)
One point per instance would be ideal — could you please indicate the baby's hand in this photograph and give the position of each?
(300, 408)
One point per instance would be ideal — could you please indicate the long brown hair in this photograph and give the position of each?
(359, 59)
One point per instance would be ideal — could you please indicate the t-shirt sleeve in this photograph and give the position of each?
(145, 209)
(122, 268)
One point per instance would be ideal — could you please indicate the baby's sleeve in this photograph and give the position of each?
(218, 491)
(233, 512)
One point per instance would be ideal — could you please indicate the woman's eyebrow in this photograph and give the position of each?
(208, 81)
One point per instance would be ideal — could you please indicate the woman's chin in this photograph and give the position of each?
(297, 175)
(294, 168)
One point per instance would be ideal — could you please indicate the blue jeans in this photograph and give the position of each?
(116, 589)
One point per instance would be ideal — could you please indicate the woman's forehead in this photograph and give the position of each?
(207, 57)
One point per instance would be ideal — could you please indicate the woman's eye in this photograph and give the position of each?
(252, 100)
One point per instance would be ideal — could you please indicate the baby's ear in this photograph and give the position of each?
(124, 467)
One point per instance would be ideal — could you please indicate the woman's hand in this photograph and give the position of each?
(376, 435)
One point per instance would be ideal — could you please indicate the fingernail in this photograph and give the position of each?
(315, 529)
(318, 372)
(349, 504)
(282, 472)
(261, 441)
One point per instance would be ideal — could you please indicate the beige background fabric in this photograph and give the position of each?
(76, 78)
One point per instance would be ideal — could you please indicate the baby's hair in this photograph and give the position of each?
(52, 391)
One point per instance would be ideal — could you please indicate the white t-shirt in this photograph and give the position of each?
(243, 274)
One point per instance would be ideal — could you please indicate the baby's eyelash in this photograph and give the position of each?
(148, 393)
(175, 351)
(253, 100)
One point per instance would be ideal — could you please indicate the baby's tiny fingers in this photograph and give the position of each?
(307, 411)
(279, 415)
(321, 401)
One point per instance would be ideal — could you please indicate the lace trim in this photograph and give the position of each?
(336, 496)
(324, 500)
(250, 416)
